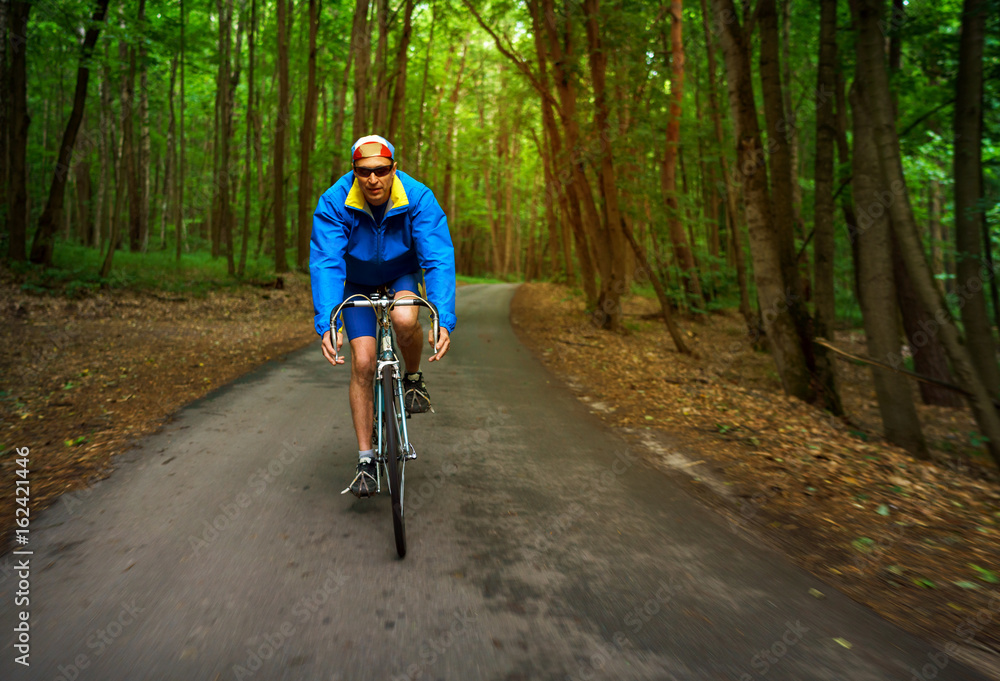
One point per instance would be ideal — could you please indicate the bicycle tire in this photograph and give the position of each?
(394, 461)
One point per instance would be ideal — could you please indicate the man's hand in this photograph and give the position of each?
(444, 342)
(328, 351)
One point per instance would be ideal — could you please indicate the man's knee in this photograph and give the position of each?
(406, 322)
(363, 361)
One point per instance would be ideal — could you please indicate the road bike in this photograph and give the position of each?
(390, 438)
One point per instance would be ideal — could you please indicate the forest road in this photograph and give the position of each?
(540, 547)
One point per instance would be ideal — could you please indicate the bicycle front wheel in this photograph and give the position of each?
(394, 460)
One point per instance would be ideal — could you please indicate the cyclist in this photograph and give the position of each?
(377, 226)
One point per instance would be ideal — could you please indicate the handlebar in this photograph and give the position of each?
(361, 300)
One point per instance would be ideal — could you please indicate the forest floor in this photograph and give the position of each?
(917, 541)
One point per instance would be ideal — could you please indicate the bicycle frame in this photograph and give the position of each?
(392, 463)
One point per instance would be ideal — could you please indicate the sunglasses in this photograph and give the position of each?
(381, 171)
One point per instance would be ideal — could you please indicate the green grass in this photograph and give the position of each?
(75, 272)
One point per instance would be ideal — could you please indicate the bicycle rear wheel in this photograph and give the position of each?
(394, 460)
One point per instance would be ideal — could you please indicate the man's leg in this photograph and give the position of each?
(362, 375)
(409, 334)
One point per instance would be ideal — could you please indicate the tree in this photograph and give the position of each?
(726, 186)
(17, 212)
(878, 104)
(398, 112)
(42, 246)
(776, 296)
(247, 165)
(876, 288)
(180, 174)
(361, 40)
(970, 227)
(668, 171)
(280, 133)
(307, 136)
(823, 232)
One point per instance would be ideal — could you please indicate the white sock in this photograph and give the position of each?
(366, 456)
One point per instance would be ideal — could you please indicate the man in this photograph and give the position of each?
(376, 227)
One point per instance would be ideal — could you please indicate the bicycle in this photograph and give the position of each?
(391, 440)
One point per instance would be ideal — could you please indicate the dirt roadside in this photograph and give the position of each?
(82, 379)
(916, 541)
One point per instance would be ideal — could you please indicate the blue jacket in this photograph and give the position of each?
(347, 245)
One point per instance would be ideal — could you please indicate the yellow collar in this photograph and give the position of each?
(397, 197)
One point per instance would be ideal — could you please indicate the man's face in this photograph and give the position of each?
(375, 188)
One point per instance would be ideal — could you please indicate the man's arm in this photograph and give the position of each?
(436, 255)
(327, 268)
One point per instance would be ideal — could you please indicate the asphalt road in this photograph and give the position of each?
(540, 547)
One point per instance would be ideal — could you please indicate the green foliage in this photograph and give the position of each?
(75, 272)
(494, 124)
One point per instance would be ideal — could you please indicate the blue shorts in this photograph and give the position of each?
(360, 321)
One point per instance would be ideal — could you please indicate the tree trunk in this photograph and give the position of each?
(5, 86)
(668, 170)
(17, 211)
(970, 225)
(361, 46)
(447, 192)
(121, 166)
(307, 136)
(398, 111)
(381, 103)
(878, 296)
(609, 242)
(84, 194)
(775, 295)
(559, 190)
(42, 246)
(145, 152)
(132, 150)
(222, 211)
(934, 228)
(779, 131)
(823, 232)
(247, 163)
(876, 99)
(106, 155)
(661, 293)
(929, 357)
(728, 187)
(493, 221)
(338, 124)
(180, 172)
(280, 132)
(584, 221)
(791, 116)
(423, 91)
(844, 159)
(169, 197)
